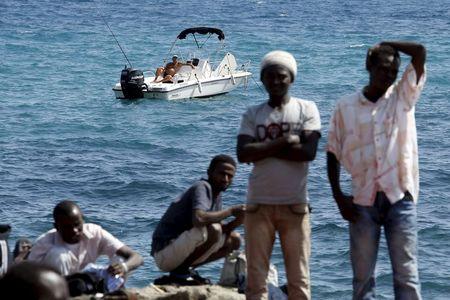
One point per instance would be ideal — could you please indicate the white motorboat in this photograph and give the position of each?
(201, 78)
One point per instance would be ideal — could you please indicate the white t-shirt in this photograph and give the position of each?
(94, 242)
(273, 180)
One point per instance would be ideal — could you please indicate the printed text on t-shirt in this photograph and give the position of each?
(275, 130)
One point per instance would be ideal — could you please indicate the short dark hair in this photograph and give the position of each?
(374, 54)
(64, 208)
(24, 281)
(221, 158)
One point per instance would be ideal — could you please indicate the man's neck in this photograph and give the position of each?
(278, 101)
(372, 93)
(215, 192)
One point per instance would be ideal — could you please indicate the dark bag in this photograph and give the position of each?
(84, 283)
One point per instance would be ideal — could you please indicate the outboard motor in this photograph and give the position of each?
(132, 83)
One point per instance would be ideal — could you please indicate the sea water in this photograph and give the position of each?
(63, 135)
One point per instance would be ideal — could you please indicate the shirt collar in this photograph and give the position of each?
(279, 107)
(86, 233)
(385, 96)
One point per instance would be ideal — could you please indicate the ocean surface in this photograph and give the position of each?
(64, 135)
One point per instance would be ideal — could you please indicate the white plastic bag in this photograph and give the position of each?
(234, 269)
(112, 282)
(234, 274)
(275, 293)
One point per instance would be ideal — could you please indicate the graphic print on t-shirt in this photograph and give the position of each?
(275, 130)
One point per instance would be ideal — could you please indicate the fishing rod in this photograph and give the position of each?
(112, 33)
(260, 89)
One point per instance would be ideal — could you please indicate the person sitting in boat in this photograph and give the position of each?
(170, 69)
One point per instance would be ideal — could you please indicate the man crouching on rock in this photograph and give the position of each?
(191, 232)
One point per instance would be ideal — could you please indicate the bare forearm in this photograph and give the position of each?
(409, 48)
(344, 202)
(256, 151)
(297, 153)
(230, 226)
(132, 259)
(203, 218)
(306, 151)
(415, 50)
(333, 169)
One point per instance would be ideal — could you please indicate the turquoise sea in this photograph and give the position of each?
(64, 135)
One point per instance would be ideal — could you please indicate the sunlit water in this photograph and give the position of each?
(64, 135)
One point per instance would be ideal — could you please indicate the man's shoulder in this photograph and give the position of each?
(92, 226)
(91, 230)
(200, 184)
(303, 102)
(47, 237)
(201, 192)
(255, 110)
(256, 107)
(348, 99)
(192, 190)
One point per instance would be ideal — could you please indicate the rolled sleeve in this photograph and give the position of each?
(408, 88)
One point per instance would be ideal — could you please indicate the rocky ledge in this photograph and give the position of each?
(171, 292)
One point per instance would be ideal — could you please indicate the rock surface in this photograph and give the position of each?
(210, 292)
(170, 292)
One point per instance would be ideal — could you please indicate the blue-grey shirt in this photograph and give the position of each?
(178, 217)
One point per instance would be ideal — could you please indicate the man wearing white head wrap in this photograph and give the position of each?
(279, 137)
(281, 58)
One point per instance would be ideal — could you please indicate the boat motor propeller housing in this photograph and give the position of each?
(132, 83)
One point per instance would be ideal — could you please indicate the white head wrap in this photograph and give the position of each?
(281, 58)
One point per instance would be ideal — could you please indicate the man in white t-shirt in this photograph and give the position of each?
(72, 244)
(279, 137)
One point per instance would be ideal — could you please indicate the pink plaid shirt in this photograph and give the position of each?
(377, 142)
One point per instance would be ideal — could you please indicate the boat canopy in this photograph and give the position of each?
(201, 30)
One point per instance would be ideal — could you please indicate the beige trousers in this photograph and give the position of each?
(291, 222)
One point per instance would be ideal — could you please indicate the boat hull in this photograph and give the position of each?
(191, 89)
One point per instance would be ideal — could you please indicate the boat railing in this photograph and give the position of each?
(245, 66)
(149, 74)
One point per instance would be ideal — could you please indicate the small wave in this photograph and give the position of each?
(329, 228)
(358, 45)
